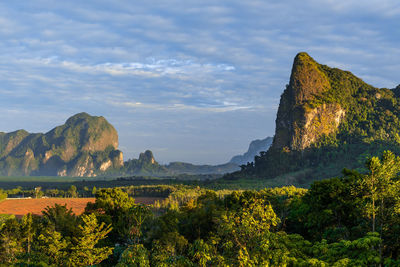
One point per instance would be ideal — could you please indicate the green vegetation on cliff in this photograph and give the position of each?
(328, 118)
(83, 146)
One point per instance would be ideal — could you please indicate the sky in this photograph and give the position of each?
(192, 81)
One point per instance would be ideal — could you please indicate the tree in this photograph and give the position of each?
(62, 219)
(381, 186)
(3, 195)
(86, 190)
(51, 247)
(10, 243)
(72, 191)
(245, 234)
(84, 251)
(113, 206)
(134, 255)
(137, 215)
(358, 252)
(205, 254)
(169, 248)
(94, 190)
(27, 233)
(38, 192)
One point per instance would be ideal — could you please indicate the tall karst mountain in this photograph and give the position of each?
(328, 119)
(300, 121)
(84, 146)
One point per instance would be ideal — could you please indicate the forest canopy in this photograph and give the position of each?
(352, 220)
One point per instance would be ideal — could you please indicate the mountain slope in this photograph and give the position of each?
(328, 119)
(255, 147)
(83, 146)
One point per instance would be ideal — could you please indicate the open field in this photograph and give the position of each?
(20, 207)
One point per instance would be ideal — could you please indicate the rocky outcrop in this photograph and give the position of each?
(84, 146)
(300, 120)
(322, 120)
(147, 157)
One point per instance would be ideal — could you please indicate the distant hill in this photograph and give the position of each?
(327, 119)
(84, 146)
(147, 165)
(255, 148)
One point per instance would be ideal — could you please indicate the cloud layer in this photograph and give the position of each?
(191, 80)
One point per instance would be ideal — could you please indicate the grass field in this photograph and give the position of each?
(20, 207)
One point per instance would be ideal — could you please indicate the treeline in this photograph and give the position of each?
(38, 192)
(349, 221)
(72, 192)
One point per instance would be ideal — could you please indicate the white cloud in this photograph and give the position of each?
(223, 107)
(152, 68)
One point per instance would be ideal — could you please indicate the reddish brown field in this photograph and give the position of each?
(20, 207)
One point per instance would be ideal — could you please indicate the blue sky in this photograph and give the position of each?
(193, 81)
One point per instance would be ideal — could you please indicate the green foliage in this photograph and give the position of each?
(72, 191)
(62, 219)
(3, 195)
(359, 252)
(327, 225)
(10, 245)
(113, 206)
(84, 251)
(51, 247)
(380, 184)
(135, 256)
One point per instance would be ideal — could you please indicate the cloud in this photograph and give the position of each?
(223, 107)
(151, 68)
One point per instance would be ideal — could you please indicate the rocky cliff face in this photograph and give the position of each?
(84, 146)
(299, 123)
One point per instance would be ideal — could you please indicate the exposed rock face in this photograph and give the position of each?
(324, 119)
(255, 148)
(299, 123)
(84, 146)
(147, 157)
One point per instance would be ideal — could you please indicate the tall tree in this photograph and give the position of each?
(380, 184)
(84, 251)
